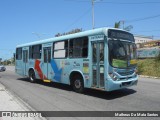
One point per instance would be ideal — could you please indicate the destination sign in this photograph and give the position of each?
(97, 37)
(120, 35)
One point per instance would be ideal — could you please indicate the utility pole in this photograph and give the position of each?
(93, 21)
(122, 21)
(93, 14)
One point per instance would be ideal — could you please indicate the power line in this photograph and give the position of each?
(150, 31)
(140, 19)
(7, 49)
(127, 21)
(80, 17)
(132, 3)
(86, 13)
(76, 1)
(154, 36)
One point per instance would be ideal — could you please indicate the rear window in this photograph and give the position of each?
(19, 53)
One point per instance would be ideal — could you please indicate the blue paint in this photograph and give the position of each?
(57, 72)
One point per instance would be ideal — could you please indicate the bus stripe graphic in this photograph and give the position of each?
(57, 72)
(38, 69)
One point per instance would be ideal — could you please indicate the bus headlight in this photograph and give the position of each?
(114, 77)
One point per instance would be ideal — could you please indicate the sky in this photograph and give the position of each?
(23, 21)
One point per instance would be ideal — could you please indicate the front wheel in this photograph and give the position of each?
(32, 77)
(77, 84)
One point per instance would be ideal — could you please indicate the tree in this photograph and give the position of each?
(118, 25)
(70, 32)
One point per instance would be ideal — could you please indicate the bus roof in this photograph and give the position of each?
(70, 36)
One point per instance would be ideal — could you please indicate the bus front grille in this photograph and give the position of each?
(126, 73)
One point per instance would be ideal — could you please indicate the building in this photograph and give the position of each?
(153, 43)
(142, 39)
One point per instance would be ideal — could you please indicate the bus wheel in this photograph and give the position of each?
(32, 77)
(77, 84)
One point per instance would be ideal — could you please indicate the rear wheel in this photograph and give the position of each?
(77, 84)
(32, 77)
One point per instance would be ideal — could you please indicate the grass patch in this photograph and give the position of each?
(149, 67)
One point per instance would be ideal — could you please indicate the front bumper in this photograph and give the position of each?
(116, 85)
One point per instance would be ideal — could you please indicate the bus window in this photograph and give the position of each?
(36, 51)
(60, 49)
(19, 53)
(101, 53)
(30, 52)
(78, 47)
(85, 47)
(94, 56)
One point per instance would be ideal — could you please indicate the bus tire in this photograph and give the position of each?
(77, 83)
(32, 77)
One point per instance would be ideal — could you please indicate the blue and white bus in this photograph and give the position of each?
(103, 58)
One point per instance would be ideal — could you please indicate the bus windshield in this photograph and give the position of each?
(122, 54)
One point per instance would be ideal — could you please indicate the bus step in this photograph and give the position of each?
(47, 81)
(96, 88)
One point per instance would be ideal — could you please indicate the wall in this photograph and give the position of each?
(148, 52)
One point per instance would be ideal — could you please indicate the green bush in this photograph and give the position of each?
(158, 58)
(149, 67)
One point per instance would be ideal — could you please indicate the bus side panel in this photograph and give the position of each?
(32, 65)
(81, 65)
(59, 70)
(62, 68)
(19, 67)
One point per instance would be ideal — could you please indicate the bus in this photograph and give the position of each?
(102, 58)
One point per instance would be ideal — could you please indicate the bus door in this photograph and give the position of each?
(98, 64)
(46, 62)
(25, 62)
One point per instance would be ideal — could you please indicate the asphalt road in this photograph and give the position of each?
(56, 97)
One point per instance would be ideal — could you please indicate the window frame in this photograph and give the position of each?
(33, 52)
(84, 38)
(66, 48)
(30, 52)
(17, 53)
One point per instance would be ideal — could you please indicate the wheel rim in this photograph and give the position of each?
(77, 84)
(32, 77)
